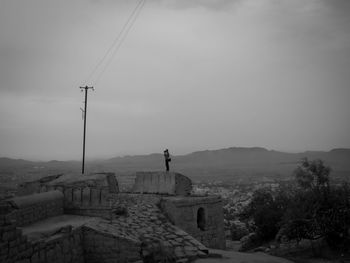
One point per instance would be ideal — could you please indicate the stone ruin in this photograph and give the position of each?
(85, 218)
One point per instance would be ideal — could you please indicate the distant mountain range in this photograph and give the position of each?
(235, 164)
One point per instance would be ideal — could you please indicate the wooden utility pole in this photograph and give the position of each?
(85, 112)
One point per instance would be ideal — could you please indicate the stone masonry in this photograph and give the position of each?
(75, 219)
(200, 216)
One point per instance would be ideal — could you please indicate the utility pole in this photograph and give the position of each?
(85, 112)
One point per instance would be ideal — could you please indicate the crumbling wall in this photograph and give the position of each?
(13, 245)
(62, 247)
(32, 208)
(32, 187)
(162, 183)
(201, 217)
(83, 194)
(60, 181)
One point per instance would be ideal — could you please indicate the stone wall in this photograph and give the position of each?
(162, 183)
(201, 217)
(83, 194)
(86, 194)
(63, 247)
(35, 207)
(95, 180)
(60, 248)
(13, 245)
(32, 187)
(102, 247)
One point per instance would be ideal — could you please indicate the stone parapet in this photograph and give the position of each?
(168, 183)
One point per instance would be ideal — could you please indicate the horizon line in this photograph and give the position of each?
(100, 158)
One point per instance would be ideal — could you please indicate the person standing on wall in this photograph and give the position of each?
(167, 159)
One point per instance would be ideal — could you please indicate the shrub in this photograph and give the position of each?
(312, 209)
(265, 212)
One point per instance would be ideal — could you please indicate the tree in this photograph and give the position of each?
(298, 221)
(333, 217)
(312, 175)
(317, 209)
(265, 212)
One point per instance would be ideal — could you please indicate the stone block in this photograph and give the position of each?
(42, 255)
(3, 248)
(65, 246)
(68, 195)
(26, 252)
(77, 192)
(12, 251)
(50, 255)
(162, 183)
(86, 195)
(95, 196)
(104, 196)
(9, 235)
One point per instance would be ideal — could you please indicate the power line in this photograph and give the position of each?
(120, 38)
(121, 41)
(116, 46)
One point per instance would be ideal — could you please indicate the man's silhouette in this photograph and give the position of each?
(167, 159)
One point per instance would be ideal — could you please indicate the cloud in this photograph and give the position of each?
(193, 73)
(338, 6)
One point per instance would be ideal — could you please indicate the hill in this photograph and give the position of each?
(235, 164)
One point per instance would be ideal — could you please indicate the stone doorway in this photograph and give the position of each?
(201, 218)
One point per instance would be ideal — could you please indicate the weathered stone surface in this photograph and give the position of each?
(35, 207)
(162, 183)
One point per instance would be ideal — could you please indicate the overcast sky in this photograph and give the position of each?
(191, 75)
